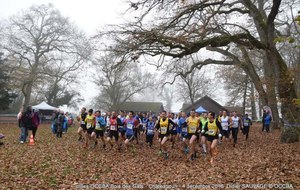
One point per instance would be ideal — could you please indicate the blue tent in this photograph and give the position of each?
(200, 110)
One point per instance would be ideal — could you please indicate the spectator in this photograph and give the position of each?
(1, 137)
(26, 123)
(35, 122)
(60, 124)
(263, 120)
(267, 121)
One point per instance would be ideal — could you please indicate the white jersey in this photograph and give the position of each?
(225, 122)
(107, 121)
(235, 121)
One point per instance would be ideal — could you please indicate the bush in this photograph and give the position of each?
(290, 135)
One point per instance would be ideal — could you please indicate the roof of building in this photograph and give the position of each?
(142, 106)
(207, 103)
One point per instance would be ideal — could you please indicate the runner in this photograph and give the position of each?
(107, 121)
(220, 115)
(204, 120)
(194, 125)
(212, 131)
(113, 130)
(144, 121)
(150, 127)
(129, 124)
(138, 127)
(173, 130)
(163, 125)
(179, 128)
(225, 122)
(182, 123)
(99, 128)
(246, 125)
(90, 128)
(235, 124)
(82, 128)
(122, 129)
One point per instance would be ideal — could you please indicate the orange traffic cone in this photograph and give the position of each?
(31, 140)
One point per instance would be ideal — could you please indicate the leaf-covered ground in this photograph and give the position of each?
(63, 164)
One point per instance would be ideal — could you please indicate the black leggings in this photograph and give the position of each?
(235, 134)
(246, 131)
(59, 134)
(137, 134)
(34, 129)
(149, 139)
(267, 126)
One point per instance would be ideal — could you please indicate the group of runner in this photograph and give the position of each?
(206, 129)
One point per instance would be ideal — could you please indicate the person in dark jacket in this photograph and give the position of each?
(267, 121)
(60, 124)
(263, 120)
(26, 124)
(35, 122)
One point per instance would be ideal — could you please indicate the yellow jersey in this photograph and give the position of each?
(193, 124)
(212, 128)
(164, 126)
(90, 121)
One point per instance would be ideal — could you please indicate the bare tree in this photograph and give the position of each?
(239, 88)
(118, 81)
(168, 95)
(39, 38)
(195, 86)
(186, 29)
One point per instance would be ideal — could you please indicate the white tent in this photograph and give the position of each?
(44, 106)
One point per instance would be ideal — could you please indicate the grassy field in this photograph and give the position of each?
(63, 164)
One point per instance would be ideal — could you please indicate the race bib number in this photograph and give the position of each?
(129, 126)
(163, 130)
(88, 125)
(150, 131)
(97, 126)
(82, 122)
(246, 124)
(211, 132)
(184, 130)
(193, 129)
(225, 127)
(113, 128)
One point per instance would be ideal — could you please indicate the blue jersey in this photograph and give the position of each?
(129, 126)
(144, 122)
(246, 121)
(121, 126)
(150, 127)
(100, 123)
(182, 125)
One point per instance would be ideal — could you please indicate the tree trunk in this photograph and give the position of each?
(253, 106)
(27, 94)
(260, 106)
(245, 94)
(269, 72)
(287, 92)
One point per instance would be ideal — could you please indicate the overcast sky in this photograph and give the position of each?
(88, 15)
